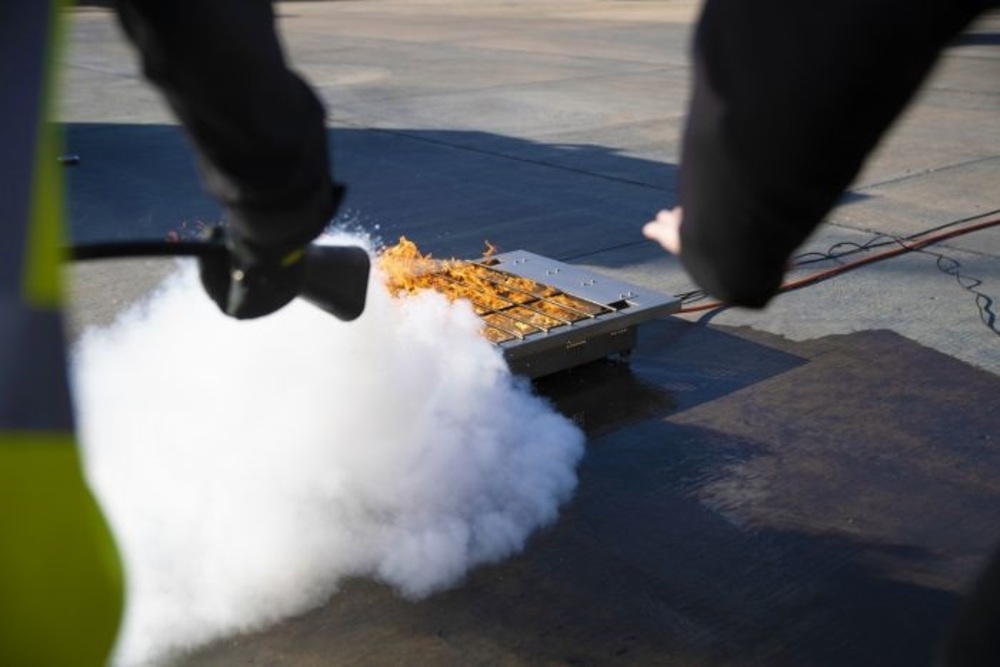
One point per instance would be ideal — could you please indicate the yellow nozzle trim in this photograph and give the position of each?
(293, 257)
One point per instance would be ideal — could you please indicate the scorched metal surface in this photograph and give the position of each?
(548, 316)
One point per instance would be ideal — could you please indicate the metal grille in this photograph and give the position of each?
(515, 307)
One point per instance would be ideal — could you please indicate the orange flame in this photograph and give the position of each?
(509, 305)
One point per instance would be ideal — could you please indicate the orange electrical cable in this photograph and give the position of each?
(905, 245)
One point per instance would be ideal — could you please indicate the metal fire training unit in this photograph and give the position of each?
(550, 316)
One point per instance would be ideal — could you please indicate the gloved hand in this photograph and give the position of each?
(247, 281)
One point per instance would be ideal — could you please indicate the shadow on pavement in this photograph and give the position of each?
(448, 191)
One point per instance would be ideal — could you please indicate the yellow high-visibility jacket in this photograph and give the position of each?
(60, 575)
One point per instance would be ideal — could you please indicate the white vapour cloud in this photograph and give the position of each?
(248, 467)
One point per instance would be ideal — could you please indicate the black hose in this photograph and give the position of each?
(123, 249)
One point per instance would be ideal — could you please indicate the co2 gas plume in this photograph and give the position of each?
(248, 468)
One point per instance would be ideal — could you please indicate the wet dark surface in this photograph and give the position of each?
(744, 500)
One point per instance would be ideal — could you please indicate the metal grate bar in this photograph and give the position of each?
(528, 306)
(546, 293)
(505, 333)
(539, 292)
